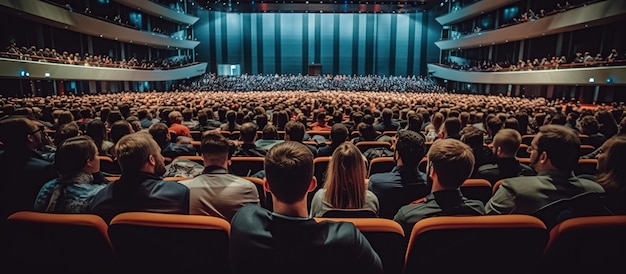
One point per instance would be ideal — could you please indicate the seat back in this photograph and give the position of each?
(246, 166)
(527, 139)
(349, 213)
(53, 242)
(584, 204)
(484, 244)
(386, 238)
(265, 198)
(477, 189)
(148, 242)
(586, 166)
(320, 166)
(421, 166)
(595, 244)
(109, 166)
(522, 151)
(381, 165)
(586, 149)
(194, 158)
(365, 145)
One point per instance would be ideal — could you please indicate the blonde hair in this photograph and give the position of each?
(345, 181)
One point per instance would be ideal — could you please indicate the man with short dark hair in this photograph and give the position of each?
(141, 187)
(505, 146)
(450, 163)
(405, 183)
(23, 168)
(338, 135)
(294, 131)
(287, 239)
(554, 153)
(248, 135)
(161, 134)
(215, 192)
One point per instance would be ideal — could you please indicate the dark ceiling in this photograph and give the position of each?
(323, 6)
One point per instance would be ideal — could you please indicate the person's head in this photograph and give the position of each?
(386, 115)
(321, 118)
(473, 136)
(493, 126)
(345, 182)
(294, 131)
(415, 122)
(64, 132)
(506, 143)
(215, 149)
(409, 148)
(589, 125)
(138, 152)
(119, 129)
(160, 133)
(76, 154)
(21, 134)
(269, 132)
(175, 117)
(511, 123)
(339, 133)
(367, 131)
(611, 173)
(248, 132)
(555, 147)
(450, 163)
(289, 172)
(231, 116)
(65, 117)
(452, 127)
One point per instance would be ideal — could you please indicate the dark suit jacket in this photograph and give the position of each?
(527, 194)
(23, 175)
(264, 240)
(502, 169)
(142, 192)
(397, 188)
(440, 203)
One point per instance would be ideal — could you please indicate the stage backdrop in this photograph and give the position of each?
(287, 43)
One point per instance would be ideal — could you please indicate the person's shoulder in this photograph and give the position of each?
(487, 168)
(383, 177)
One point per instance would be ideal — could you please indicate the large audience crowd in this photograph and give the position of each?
(33, 53)
(461, 135)
(288, 82)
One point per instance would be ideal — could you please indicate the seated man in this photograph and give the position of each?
(554, 153)
(161, 134)
(287, 240)
(405, 183)
(215, 192)
(141, 187)
(505, 146)
(248, 135)
(23, 168)
(450, 163)
(176, 126)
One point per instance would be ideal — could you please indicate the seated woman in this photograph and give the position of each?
(611, 173)
(79, 179)
(345, 188)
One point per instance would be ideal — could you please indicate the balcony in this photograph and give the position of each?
(592, 15)
(60, 17)
(13, 68)
(157, 10)
(606, 75)
(473, 10)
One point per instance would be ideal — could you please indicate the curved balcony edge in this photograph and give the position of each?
(612, 75)
(473, 10)
(13, 68)
(158, 10)
(580, 18)
(59, 17)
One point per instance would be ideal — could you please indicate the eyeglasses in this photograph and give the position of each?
(39, 129)
(531, 148)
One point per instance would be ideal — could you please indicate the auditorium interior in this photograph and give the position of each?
(494, 64)
(530, 48)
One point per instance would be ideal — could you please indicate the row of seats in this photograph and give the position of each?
(140, 242)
